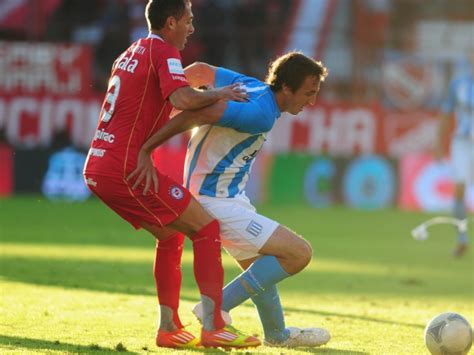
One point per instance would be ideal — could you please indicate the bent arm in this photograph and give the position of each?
(188, 98)
(201, 74)
(183, 122)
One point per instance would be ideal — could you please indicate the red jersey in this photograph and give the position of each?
(135, 105)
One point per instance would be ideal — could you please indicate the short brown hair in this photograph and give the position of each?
(157, 11)
(291, 69)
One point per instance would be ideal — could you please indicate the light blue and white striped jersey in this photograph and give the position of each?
(460, 101)
(219, 157)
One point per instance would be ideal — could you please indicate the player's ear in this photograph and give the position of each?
(171, 22)
(286, 89)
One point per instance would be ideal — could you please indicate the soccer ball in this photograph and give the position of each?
(448, 334)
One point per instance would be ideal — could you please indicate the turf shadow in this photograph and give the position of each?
(37, 344)
(136, 278)
(324, 350)
(351, 316)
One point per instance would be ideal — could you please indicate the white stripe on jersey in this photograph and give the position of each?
(253, 89)
(219, 160)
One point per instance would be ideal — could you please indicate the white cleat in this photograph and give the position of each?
(197, 310)
(306, 337)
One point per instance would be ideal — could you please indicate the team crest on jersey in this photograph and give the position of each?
(176, 192)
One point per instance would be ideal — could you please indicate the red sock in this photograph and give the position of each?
(208, 269)
(167, 272)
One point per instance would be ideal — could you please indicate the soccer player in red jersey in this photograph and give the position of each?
(146, 82)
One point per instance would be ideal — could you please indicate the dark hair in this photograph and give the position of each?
(157, 11)
(291, 69)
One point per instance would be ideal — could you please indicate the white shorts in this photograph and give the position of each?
(243, 230)
(462, 157)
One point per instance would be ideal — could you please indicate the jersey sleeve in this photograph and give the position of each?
(170, 70)
(226, 77)
(247, 117)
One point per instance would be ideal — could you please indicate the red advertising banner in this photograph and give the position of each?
(44, 69)
(339, 129)
(410, 132)
(32, 120)
(342, 129)
(46, 88)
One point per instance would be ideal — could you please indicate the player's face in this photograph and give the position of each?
(305, 95)
(183, 28)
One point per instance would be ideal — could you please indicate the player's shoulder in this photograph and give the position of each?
(251, 80)
(157, 42)
(255, 88)
(160, 48)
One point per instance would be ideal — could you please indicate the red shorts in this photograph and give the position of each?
(159, 208)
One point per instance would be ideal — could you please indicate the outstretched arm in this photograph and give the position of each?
(188, 98)
(184, 121)
(201, 74)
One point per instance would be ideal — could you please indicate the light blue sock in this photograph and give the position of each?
(271, 315)
(263, 273)
(459, 212)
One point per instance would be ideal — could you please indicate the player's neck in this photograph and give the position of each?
(280, 100)
(163, 34)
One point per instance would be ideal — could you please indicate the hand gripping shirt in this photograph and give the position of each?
(219, 157)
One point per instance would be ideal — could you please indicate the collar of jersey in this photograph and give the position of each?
(152, 35)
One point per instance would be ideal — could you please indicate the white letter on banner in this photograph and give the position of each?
(360, 131)
(321, 133)
(17, 107)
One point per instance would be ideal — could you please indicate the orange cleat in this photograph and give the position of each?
(227, 337)
(178, 338)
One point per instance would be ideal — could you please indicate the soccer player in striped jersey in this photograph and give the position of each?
(146, 82)
(460, 105)
(219, 158)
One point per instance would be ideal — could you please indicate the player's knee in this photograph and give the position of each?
(305, 254)
(301, 254)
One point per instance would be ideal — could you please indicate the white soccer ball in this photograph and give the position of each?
(448, 334)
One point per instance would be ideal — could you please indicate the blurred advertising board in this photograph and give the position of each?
(45, 88)
(44, 68)
(411, 82)
(345, 130)
(413, 182)
(337, 129)
(426, 184)
(366, 181)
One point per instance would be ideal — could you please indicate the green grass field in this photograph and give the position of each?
(76, 278)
